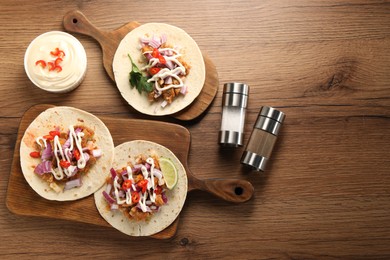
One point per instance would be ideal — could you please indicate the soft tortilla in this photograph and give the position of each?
(63, 117)
(127, 152)
(131, 45)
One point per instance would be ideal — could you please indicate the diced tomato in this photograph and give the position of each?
(155, 53)
(162, 59)
(154, 70)
(41, 62)
(48, 137)
(127, 184)
(135, 197)
(54, 133)
(76, 154)
(64, 164)
(158, 190)
(35, 154)
(143, 185)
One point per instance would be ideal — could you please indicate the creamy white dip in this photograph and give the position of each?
(73, 64)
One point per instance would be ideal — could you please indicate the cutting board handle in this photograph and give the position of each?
(76, 21)
(232, 190)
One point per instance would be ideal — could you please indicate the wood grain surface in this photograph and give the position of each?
(325, 192)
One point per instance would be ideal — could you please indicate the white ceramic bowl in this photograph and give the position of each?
(69, 71)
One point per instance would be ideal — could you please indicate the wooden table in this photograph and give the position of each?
(326, 191)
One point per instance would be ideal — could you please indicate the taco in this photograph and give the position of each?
(159, 69)
(65, 153)
(136, 198)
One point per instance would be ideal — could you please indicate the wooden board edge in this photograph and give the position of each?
(33, 111)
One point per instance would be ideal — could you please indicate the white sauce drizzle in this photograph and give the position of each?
(39, 139)
(142, 202)
(63, 154)
(149, 176)
(166, 72)
(130, 174)
(77, 138)
(116, 191)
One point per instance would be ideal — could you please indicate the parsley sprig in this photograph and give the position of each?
(138, 80)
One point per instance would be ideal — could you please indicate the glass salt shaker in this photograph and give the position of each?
(234, 103)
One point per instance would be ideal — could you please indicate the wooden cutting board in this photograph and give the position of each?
(76, 21)
(19, 193)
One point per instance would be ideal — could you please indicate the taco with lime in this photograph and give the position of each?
(145, 189)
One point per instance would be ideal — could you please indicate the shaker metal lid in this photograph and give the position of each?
(236, 87)
(272, 113)
(235, 94)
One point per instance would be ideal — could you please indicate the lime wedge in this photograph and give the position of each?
(169, 172)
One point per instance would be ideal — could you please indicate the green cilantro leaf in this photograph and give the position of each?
(138, 80)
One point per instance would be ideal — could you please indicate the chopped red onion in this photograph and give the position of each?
(72, 184)
(164, 103)
(121, 193)
(170, 65)
(154, 42)
(43, 167)
(147, 208)
(125, 175)
(86, 156)
(113, 173)
(154, 208)
(148, 56)
(164, 197)
(183, 90)
(47, 153)
(157, 173)
(66, 144)
(168, 80)
(96, 153)
(108, 198)
(70, 155)
(108, 188)
(177, 71)
(137, 168)
(73, 170)
(144, 40)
